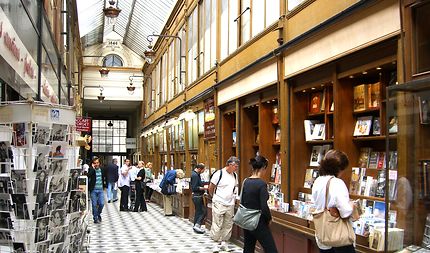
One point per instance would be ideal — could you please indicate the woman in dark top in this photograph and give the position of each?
(255, 196)
(140, 201)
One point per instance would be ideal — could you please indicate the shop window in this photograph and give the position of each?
(113, 60)
(109, 136)
(421, 37)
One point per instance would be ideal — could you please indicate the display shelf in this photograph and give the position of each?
(353, 196)
(375, 110)
(316, 142)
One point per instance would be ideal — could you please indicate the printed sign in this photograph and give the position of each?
(209, 118)
(83, 124)
(55, 114)
(130, 143)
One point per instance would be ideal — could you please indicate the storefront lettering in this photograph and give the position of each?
(28, 69)
(10, 44)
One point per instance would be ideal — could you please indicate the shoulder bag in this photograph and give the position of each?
(332, 231)
(246, 218)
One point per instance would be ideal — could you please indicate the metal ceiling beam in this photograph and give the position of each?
(129, 21)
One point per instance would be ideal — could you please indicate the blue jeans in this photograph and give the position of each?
(97, 203)
(111, 192)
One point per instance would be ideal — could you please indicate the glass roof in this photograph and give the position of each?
(137, 19)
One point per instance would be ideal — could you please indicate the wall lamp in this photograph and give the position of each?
(150, 54)
(131, 88)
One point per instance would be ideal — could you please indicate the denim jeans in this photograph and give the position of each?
(111, 192)
(97, 203)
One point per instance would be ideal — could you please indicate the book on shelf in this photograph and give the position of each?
(278, 159)
(380, 189)
(308, 179)
(363, 126)
(374, 93)
(379, 209)
(376, 126)
(373, 187)
(392, 125)
(332, 106)
(373, 160)
(356, 178)
(275, 114)
(309, 128)
(316, 99)
(381, 161)
(233, 135)
(392, 181)
(322, 108)
(392, 161)
(273, 172)
(316, 156)
(363, 157)
(424, 109)
(278, 135)
(278, 175)
(319, 132)
(360, 97)
(324, 150)
(395, 239)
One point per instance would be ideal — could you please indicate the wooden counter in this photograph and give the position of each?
(180, 201)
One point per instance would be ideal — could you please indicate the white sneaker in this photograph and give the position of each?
(198, 229)
(223, 246)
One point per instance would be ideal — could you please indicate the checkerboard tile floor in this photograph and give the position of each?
(147, 232)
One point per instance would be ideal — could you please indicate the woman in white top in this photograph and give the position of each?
(333, 164)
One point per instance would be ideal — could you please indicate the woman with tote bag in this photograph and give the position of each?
(254, 195)
(331, 198)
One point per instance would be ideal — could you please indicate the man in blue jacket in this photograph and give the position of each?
(95, 187)
(112, 179)
(169, 179)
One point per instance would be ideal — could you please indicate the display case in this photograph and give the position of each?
(408, 104)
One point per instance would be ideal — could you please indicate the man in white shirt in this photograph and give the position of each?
(124, 185)
(223, 189)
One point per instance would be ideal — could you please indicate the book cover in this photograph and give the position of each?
(319, 132)
(315, 175)
(309, 128)
(278, 135)
(234, 137)
(392, 125)
(374, 93)
(363, 158)
(308, 179)
(315, 102)
(322, 108)
(356, 174)
(275, 115)
(373, 160)
(376, 126)
(360, 97)
(424, 109)
(379, 209)
(324, 150)
(315, 156)
(380, 189)
(363, 126)
(332, 106)
(364, 187)
(392, 164)
(392, 180)
(273, 172)
(278, 175)
(381, 161)
(373, 184)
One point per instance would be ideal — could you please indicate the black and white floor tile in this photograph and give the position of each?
(147, 232)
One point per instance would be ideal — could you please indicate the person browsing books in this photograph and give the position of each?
(332, 165)
(255, 196)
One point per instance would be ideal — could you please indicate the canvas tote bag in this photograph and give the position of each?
(332, 231)
(246, 218)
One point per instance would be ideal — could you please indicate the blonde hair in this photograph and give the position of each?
(148, 164)
(180, 173)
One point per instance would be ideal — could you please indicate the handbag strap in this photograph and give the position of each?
(241, 190)
(326, 193)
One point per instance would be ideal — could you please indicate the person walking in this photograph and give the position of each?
(198, 190)
(149, 177)
(255, 196)
(112, 179)
(124, 185)
(223, 189)
(140, 204)
(95, 187)
(331, 166)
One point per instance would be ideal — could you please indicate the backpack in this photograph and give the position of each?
(219, 179)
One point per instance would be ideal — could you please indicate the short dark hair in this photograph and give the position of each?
(233, 159)
(258, 162)
(333, 162)
(200, 166)
(95, 158)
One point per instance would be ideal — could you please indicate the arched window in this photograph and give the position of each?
(112, 60)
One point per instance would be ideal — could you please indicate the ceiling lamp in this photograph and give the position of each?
(110, 124)
(112, 11)
(101, 97)
(131, 88)
(104, 72)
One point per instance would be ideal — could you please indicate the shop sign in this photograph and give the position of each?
(83, 124)
(12, 49)
(209, 118)
(130, 143)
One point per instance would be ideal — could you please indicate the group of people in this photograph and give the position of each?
(124, 178)
(223, 188)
